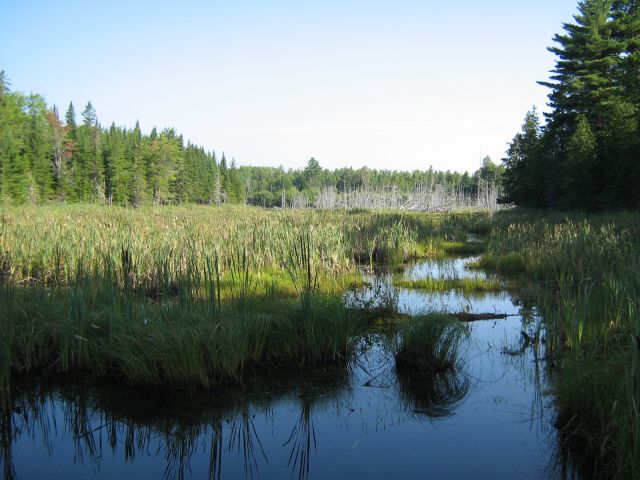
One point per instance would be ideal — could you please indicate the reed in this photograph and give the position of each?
(97, 328)
(430, 343)
(588, 269)
(44, 244)
(464, 248)
(188, 297)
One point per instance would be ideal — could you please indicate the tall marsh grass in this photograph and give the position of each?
(588, 267)
(46, 244)
(178, 297)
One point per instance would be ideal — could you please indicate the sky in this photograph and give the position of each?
(390, 84)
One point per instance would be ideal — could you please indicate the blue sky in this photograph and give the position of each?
(389, 84)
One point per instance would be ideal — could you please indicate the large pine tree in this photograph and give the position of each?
(588, 151)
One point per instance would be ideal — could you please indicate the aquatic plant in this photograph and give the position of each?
(429, 343)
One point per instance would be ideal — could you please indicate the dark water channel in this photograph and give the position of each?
(491, 419)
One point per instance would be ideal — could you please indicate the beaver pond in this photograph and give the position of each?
(492, 416)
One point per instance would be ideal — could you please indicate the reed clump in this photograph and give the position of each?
(464, 248)
(430, 343)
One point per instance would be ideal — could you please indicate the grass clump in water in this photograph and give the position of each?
(430, 343)
(95, 329)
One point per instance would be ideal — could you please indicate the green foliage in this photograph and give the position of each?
(523, 177)
(580, 165)
(185, 297)
(44, 159)
(430, 343)
(448, 284)
(587, 155)
(13, 164)
(464, 248)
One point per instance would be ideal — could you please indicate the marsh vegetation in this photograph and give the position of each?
(190, 297)
(198, 300)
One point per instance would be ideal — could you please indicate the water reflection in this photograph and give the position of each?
(381, 296)
(451, 268)
(433, 396)
(489, 418)
(97, 429)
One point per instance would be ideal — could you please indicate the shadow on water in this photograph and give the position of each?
(95, 429)
(104, 425)
(489, 417)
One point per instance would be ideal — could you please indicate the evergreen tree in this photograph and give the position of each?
(580, 166)
(70, 119)
(4, 84)
(115, 166)
(70, 188)
(14, 166)
(37, 149)
(523, 178)
(86, 165)
(588, 153)
(137, 187)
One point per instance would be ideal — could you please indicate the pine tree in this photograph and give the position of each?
(163, 159)
(4, 85)
(71, 142)
(116, 175)
(523, 178)
(588, 153)
(584, 76)
(37, 149)
(14, 166)
(70, 118)
(57, 149)
(577, 174)
(86, 165)
(137, 180)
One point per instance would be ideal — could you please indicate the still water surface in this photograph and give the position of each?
(492, 418)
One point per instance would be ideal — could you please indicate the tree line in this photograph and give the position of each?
(586, 152)
(47, 157)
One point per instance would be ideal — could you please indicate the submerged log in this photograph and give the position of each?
(472, 317)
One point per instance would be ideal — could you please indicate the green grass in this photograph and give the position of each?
(446, 284)
(464, 248)
(509, 264)
(44, 244)
(178, 297)
(95, 328)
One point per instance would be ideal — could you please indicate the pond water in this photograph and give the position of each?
(491, 418)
